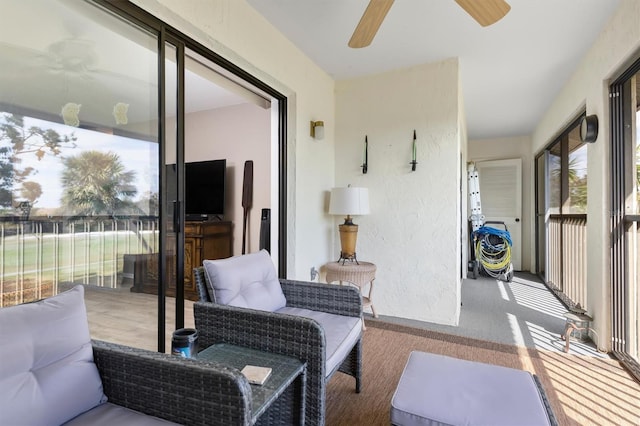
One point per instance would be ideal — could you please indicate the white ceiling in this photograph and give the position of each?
(510, 71)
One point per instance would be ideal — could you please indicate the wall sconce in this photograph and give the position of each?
(70, 113)
(120, 113)
(317, 129)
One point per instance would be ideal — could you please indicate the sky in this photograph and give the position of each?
(137, 155)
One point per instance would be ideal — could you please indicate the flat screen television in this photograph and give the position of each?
(204, 183)
(204, 188)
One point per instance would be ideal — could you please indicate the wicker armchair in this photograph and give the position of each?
(291, 335)
(185, 391)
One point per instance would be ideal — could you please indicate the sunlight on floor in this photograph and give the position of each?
(503, 291)
(537, 296)
(523, 312)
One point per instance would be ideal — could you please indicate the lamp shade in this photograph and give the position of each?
(349, 201)
(319, 130)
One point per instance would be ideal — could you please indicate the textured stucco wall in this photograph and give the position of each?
(413, 231)
(618, 43)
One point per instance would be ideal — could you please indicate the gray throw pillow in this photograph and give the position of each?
(246, 281)
(47, 373)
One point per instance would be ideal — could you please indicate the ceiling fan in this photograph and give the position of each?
(71, 57)
(485, 12)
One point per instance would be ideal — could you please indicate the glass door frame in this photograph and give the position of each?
(624, 221)
(541, 191)
(131, 12)
(561, 140)
(176, 215)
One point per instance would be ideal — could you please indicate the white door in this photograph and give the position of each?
(501, 198)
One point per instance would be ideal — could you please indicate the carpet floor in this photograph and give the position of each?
(582, 390)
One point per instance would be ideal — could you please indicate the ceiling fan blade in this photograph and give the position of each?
(369, 23)
(486, 12)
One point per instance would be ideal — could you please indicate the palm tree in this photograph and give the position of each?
(577, 184)
(96, 183)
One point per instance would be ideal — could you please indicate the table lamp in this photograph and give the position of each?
(348, 202)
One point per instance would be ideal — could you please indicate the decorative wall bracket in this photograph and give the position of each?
(414, 155)
(365, 163)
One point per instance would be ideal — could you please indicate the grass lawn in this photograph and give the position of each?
(67, 257)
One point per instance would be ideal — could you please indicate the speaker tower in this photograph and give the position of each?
(265, 230)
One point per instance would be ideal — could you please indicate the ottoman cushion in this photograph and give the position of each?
(440, 390)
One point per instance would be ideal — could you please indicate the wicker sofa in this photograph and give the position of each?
(285, 332)
(185, 391)
(52, 373)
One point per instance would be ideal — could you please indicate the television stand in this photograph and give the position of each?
(202, 240)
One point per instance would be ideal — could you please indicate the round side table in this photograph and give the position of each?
(359, 274)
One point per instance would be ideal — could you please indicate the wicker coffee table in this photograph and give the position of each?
(285, 387)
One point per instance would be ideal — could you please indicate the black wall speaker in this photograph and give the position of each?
(265, 230)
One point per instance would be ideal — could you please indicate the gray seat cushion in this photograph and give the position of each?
(246, 281)
(341, 333)
(110, 414)
(437, 390)
(47, 373)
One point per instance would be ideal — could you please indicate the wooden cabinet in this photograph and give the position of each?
(202, 240)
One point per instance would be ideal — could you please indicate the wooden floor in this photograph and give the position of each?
(120, 316)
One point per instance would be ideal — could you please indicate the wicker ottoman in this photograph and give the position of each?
(440, 390)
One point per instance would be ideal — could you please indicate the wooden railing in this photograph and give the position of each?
(36, 255)
(567, 263)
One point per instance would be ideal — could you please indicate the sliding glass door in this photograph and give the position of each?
(561, 219)
(95, 97)
(79, 163)
(625, 216)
